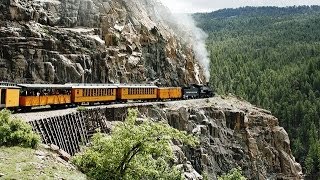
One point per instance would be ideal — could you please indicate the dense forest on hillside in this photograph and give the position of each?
(271, 57)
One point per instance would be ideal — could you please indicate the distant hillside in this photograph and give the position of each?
(271, 57)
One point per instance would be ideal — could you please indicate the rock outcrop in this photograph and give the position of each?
(233, 133)
(107, 41)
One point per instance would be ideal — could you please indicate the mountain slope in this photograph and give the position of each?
(271, 57)
(123, 41)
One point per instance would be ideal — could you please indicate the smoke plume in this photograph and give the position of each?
(185, 27)
(197, 38)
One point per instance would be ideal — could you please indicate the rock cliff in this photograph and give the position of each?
(233, 133)
(107, 41)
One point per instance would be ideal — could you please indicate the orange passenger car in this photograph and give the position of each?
(55, 95)
(169, 93)
(9, 95)
(90, 93)
(136, 92)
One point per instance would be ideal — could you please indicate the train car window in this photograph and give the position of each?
(130, 91)
(101, 92)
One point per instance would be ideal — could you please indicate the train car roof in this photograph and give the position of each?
(44, 86)
(9, 87)
(137, 86)
(92, 86)
(168, 87)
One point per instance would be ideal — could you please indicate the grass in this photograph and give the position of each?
(24, 163)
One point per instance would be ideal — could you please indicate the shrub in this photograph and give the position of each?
(15, 132)
(234, 174)
(133, 151)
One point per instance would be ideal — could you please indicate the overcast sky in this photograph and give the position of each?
(189, 6)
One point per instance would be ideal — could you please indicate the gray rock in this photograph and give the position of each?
(62, 41)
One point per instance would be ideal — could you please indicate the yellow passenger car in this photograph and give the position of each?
(9, 95)
(169, 93)
(87, 93)
(136, 92)
(55, 95)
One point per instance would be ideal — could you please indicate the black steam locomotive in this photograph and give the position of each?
(196, 91)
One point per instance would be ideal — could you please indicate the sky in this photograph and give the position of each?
(191, 6)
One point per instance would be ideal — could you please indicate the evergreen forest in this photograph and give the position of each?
(270, 56)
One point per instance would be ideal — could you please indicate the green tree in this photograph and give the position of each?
(271, 57)
(234, 174)
(133, 151)
(15, 132)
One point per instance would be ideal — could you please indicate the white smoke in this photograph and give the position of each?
(185, 27)
(197, 37)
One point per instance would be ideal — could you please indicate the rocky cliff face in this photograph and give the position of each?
(107, 41)
(233, 134)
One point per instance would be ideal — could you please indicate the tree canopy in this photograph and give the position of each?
(133, 151)
(271, 57)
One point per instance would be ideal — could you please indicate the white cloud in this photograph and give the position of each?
(189, 6)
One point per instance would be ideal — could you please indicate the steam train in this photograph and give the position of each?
(26, 96)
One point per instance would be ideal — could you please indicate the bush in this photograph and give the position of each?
(234, 174)
(133, 151)
(15, 132)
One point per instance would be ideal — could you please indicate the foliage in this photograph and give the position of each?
(133, 151)
(15, 132)
(271, 57)
(234, 174)
(81, 108)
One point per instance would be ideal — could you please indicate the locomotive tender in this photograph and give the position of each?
(25, 96)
